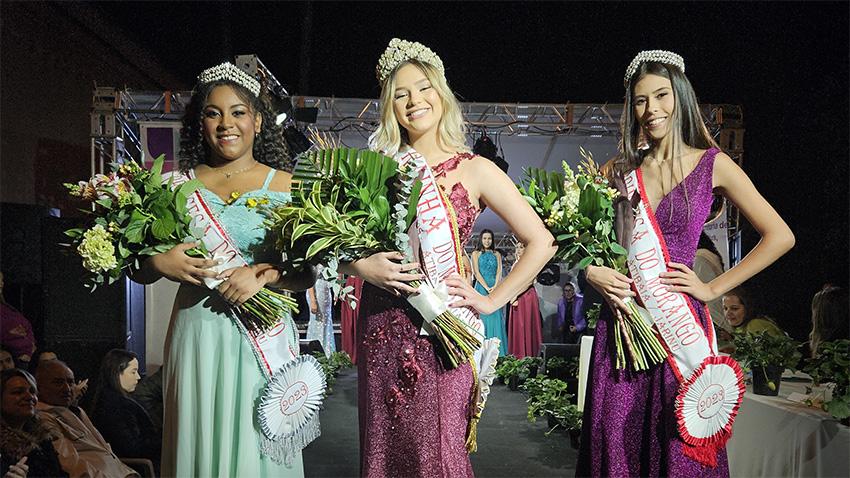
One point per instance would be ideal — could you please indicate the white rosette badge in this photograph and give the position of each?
(289, 408)
(708, 401)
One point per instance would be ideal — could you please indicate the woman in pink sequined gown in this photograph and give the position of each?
(629, 423)
(414, 413)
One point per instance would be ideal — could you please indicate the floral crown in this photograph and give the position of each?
(229, 71)
(657, 56)
(399, 51)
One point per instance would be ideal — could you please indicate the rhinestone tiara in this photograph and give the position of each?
(231, 72)
(399, 51)
(657, 56)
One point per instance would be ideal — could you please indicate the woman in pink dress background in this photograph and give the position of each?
(524, 321)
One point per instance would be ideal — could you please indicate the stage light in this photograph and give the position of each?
(484, 146)
(296, 140)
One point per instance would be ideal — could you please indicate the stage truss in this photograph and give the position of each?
(116, 114)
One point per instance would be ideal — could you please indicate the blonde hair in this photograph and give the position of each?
(390, 136)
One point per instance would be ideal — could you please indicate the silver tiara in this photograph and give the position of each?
(399, 51)
(656, 56)
(229, 71)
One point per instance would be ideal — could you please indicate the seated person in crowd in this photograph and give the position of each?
(82, 450)
(830, 317)
(571, 316)
(6, 361)
(121, 420)
(149, 395)
(16, 333)
(739, 311)
(41, 355)
(26, 445)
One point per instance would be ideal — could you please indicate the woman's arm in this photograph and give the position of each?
(776, 236)
(498, 268)
(495, 189)
(476, 254)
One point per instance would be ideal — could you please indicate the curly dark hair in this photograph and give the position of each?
(269, 145)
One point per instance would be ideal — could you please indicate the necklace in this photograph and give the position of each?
(228, 174)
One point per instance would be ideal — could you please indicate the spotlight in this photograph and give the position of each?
(485, 147)
(297, 142)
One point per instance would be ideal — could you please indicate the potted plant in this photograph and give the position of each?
(515, 371)
(566, 369)
(548, 397)
(506, 367)
(767, 356)
(830, 368)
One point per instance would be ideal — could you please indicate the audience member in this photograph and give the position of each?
(6, 361)
(148, 394)
(26, 445)
(571, 316)
(830, 317)
(739, 310)
(82, 450)
(39, 356)
(121, 420)
(16, 334)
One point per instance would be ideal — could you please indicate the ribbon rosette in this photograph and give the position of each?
(289, 407)
(708, 402)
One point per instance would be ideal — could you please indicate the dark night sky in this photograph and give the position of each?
(786, 63)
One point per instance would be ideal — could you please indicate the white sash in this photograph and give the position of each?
(439, 243)
(274, 349)
(712, 386)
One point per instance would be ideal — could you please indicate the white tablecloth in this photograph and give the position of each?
(775, 437)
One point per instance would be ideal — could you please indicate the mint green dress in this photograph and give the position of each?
(212, 380)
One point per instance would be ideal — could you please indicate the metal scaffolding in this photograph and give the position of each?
(116, 114)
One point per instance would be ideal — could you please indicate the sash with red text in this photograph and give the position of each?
(711, 386)
(290, 407)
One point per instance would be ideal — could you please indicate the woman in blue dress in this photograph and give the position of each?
(487, 268)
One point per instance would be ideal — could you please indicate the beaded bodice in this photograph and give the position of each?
(466, 212)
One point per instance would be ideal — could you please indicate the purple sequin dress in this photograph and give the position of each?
(629, 425)
(413, 412)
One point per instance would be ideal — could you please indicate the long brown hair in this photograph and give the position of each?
(688, 125)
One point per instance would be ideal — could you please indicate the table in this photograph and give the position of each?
(775, 437)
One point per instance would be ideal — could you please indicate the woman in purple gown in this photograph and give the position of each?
(629, 423)
(414, 413)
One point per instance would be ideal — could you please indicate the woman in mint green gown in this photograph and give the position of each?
(487, 267)
(212, 379)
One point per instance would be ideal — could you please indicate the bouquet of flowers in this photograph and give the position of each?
(578, 209)
(135, 214)
(348, 204)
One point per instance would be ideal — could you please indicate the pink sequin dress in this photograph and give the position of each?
(413, 412)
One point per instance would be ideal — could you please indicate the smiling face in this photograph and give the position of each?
(569, 292)
(19, 399)
(654, 103)
(734, 310)
(486, 240)
(129, 378)
(417, 105)
(229, 124)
